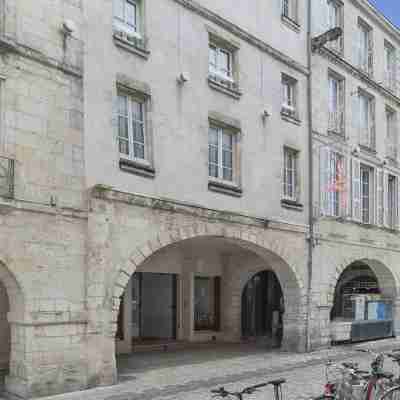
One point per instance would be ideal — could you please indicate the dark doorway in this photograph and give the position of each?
(153, 307)
(262, 309)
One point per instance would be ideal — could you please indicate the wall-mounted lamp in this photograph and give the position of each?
(183, 78)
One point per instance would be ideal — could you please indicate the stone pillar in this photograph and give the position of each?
(102, 320)
(396, 316)
(294, 322)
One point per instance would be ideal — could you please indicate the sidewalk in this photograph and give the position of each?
(171, 375)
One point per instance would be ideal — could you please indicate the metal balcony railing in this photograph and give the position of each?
(335, 122)
(390, 80)
(6, 177)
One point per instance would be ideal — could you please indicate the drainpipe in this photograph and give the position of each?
(310, 183)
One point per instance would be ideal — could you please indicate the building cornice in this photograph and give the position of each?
(351, 69)
(8, 45)
(169, 205)
(242, 34)
(378, 18)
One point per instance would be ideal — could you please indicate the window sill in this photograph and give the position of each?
(137, 168)
(291, 23)
(368, 150)
(292, 205)
(290, 118)
(131, 47)
(234, 93)
(223, 188)
(339, 135)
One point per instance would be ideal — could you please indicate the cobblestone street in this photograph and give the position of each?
(191, 374)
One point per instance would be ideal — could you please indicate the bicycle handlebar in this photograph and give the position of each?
(248, 390)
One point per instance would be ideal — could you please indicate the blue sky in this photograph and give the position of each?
(391, 9)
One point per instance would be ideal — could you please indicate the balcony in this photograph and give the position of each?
(6, 177)
(336, 122)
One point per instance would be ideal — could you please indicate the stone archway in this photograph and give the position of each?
(345, 316)
(10, 312)
(270, 252)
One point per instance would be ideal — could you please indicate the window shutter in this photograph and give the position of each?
(355, 112)
(371, 106)
(356, 190)
(370, 53)
(357, 48)
(324, 167)
(341, 106)
(344, 196)
(386, 221)
(379, 197)
(397, 203)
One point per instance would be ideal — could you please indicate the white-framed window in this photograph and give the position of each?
(220, 63)
(365, 47)
(336, 104)
(364, 202)
(289, 96)
(335, 19)
(289, 10)
(333, 183)
(221, 154)
(132, 128)
(391, 134)
(366, 120)
(290, 174)
(127, 16)
(387, 199)
(390, 66)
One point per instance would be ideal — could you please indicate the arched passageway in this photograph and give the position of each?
(5, 335)
(263, 309)
(192, 291)
(11, 309)
(364, 301)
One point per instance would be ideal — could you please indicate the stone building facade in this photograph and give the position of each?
(158, 160)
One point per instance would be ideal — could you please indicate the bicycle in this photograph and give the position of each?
(356, 384)
(277, 384)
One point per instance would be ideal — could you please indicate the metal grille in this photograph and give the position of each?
(6, 177)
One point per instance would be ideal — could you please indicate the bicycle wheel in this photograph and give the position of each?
(326, 397)
(391, 394)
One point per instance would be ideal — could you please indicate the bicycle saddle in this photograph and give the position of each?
(277, 381)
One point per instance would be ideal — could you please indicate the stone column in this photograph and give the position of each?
(102, 321)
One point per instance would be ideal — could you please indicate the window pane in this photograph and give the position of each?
(123, 127)
(131, 14)
(204, 303)
(227, 174)
(137, 111)
(213, 57)
(213, 136)
(227, 158)
(138, 133)
(227, 140)
(213, 154)
(123, 105)
(224, 62)
(213, 170)
(119, 9)
(138, 150)
(123, 146)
